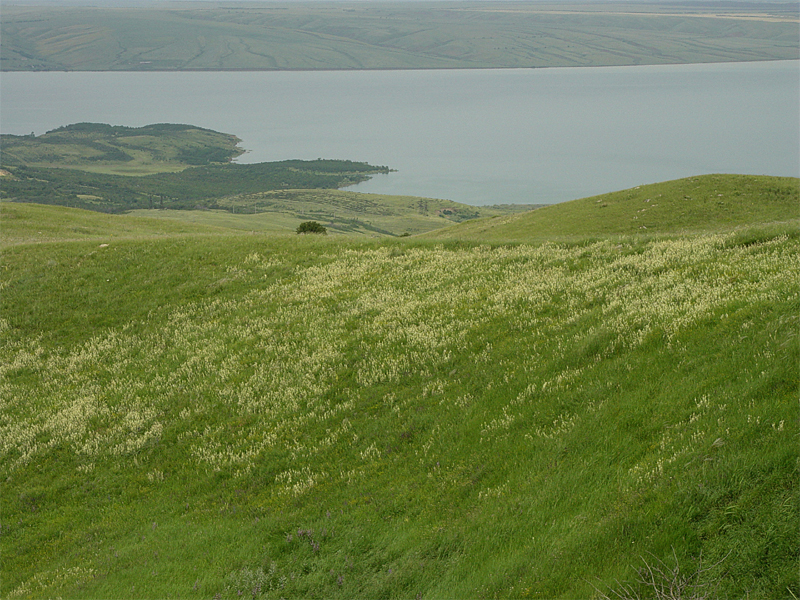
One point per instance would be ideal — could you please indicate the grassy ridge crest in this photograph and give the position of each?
(694, 204)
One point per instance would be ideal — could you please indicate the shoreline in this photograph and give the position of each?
(381, 69)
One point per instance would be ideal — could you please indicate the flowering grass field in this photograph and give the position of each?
(262, 417)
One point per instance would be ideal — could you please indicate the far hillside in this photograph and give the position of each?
(114, 149)
(694, 204)
(90, 165)
(270, 36)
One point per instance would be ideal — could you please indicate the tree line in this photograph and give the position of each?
(196, 187)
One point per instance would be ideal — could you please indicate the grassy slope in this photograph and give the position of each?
(339, 210)
(306, 417)
(23, 223)
(391, 35)
(695, 204)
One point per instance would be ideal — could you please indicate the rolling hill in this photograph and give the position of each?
(692, 205)
(197, 412)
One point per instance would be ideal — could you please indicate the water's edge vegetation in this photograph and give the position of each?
(506, 412)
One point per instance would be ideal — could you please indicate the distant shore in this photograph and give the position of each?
(388, 36)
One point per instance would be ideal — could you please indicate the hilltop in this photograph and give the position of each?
(704, 203)
(194, 412)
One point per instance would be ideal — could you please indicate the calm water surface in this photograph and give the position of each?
(476, 136)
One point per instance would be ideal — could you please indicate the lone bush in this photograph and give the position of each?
(311, 227)
(659, 581)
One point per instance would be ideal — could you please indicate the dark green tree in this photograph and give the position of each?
(311, 227)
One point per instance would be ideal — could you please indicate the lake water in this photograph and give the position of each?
(476, 136)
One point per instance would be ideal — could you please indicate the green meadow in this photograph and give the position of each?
(340, 211)
(390, 35)
(547, 405)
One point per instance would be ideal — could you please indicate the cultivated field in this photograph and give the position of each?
(201, 413)
(391, 35)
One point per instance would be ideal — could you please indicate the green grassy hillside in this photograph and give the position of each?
(101, 148)
(695, 204)
(375, 215)
(249, 416)
(341, 212)
(391, 35)
(35, 224)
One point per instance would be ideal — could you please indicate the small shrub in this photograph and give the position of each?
(659, 581)
(311, 227)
